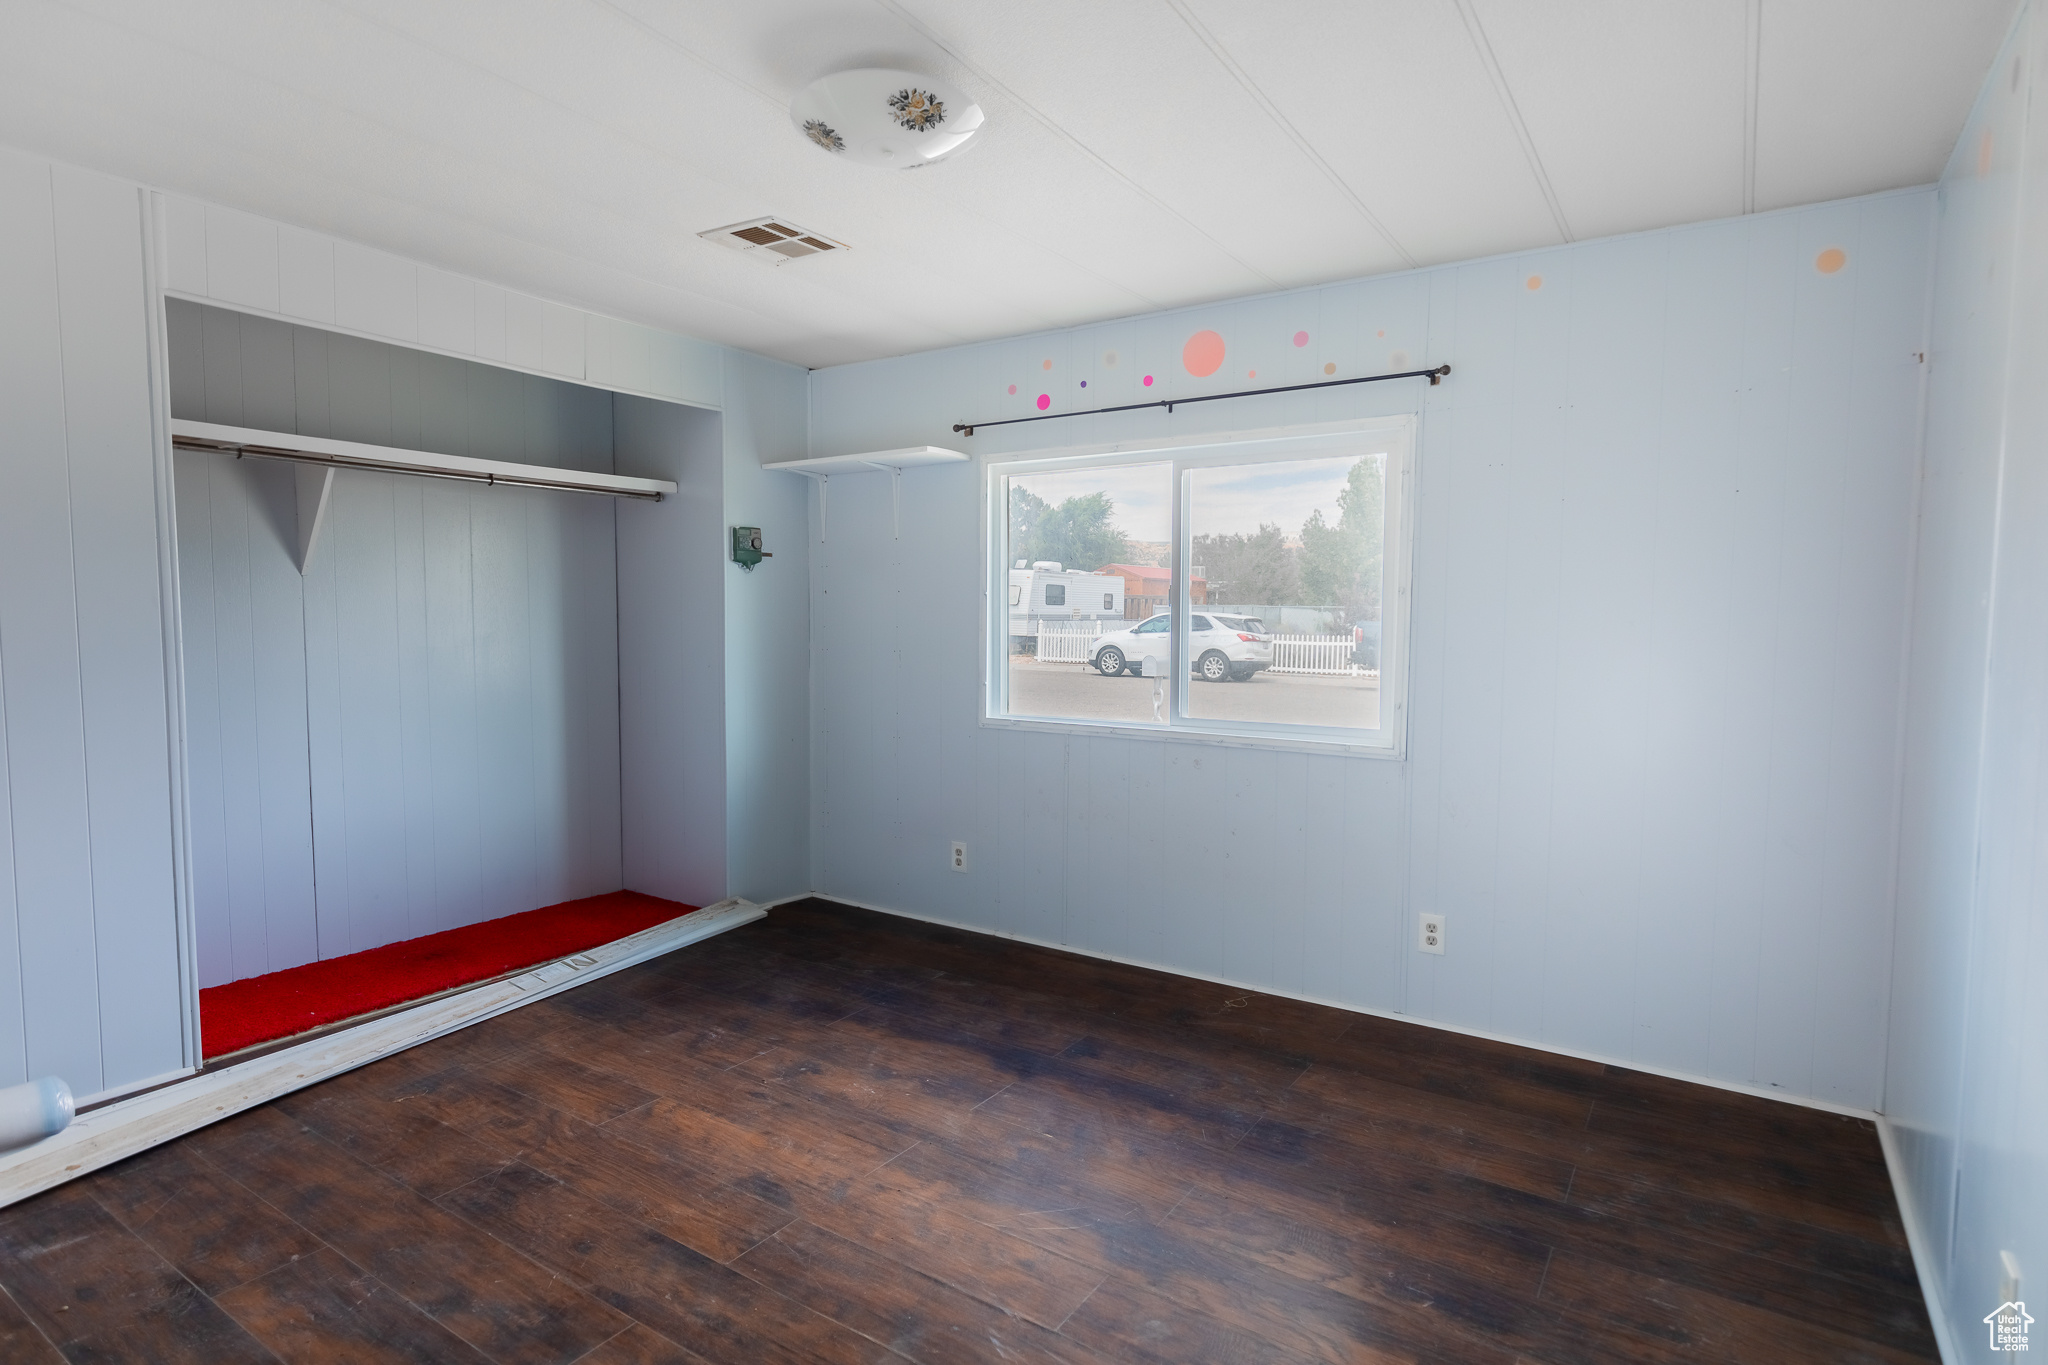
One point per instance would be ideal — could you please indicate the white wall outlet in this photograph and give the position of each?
(1430, 935)
(959, 863)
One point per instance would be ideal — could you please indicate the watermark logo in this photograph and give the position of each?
(2008, 1325)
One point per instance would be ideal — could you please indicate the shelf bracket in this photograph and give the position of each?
(316, 487)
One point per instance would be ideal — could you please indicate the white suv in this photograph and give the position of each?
(1220, 648)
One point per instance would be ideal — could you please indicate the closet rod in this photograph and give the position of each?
(1435, 377)
(315, 450)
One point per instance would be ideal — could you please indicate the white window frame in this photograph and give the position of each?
(1395, 435)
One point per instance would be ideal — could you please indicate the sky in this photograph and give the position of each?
(1227, 501)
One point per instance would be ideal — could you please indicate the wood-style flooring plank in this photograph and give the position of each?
(321, 1308)
(684, 1295)
(833, 1135)
(98, 1292)
(215, 1232)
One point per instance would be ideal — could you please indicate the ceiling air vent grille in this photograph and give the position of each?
(774, 240)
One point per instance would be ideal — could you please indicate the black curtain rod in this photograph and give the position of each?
(1435, 377)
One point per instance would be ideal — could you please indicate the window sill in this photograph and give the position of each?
(1211, 738)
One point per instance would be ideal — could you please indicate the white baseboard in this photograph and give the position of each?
(1917, 1241)
(1737, 1087)
(126, 1127)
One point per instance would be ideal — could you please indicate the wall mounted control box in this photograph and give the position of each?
(746, 547)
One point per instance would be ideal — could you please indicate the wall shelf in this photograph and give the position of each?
(891, 462)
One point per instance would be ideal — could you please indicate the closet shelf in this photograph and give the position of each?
(318, 450)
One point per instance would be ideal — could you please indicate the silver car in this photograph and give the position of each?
(1220, 648)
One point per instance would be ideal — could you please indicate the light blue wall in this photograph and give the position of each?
(1965, 1084)
(1663, 530)
(767, 635)
(423, 730)
(90, 963)
(672, 644)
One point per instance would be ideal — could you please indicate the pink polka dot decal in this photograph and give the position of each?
(1013, 388)
(1044, 401)
(1203, 354)
(1047, 365)
(1301, 338)
(1148, 381)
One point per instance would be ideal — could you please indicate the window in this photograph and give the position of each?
(1294, 548)
(1016, 594)
(1055, 594)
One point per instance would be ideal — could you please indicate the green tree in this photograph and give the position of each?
(1341, 564)
(1256, 569)
(1079, 533)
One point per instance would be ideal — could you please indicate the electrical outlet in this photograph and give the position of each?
(959, 863)
(1430, 939)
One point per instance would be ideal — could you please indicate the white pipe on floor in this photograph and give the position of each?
(32, 1112)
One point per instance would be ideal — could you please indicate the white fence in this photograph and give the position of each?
(1068, 642)
(1329, 654)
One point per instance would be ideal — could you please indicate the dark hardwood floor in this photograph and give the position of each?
(837, 1136)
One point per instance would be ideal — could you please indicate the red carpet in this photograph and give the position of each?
(259, 1009)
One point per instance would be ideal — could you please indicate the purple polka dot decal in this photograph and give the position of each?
(1084, 383)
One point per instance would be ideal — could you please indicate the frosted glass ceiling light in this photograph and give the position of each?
(881, 117)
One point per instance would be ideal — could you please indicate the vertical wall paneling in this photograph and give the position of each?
(1963, 1073)
(1662, 508)
(420, 731)
(94, 992)
(671, 651)
(768, 634)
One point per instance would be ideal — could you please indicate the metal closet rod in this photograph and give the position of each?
(380, 467)
(1435, 377)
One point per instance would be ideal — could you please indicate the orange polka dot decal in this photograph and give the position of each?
(1203, 355)
(1831, 260)
(1535, 282)
(1329, 367)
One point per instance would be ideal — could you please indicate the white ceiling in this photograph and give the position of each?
(1139, 153)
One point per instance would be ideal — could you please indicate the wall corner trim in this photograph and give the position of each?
(1925, 1265)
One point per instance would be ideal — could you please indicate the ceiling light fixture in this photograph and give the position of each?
(883, 117)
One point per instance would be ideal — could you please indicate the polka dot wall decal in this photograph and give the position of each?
(1301, 338)
(1382, 332)
(1329, 367)
(1831, 260)
(1203, 354)
(1148, 381)
(1398, 359)
(1251, 374)
(1109, 359)
(1084, 383)
(1047, 365)
(1044, 401)
(1013, 388)
(1535, 282)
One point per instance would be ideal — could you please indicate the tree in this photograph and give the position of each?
(1257, 569)
(1341, 564)
(1078, 533)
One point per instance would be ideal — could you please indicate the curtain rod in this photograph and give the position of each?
(1435, 377)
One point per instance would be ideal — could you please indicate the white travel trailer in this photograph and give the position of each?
(1046, 591)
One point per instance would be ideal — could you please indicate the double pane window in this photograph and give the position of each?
(1253, 589)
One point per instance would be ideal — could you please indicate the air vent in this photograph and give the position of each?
(774, 240)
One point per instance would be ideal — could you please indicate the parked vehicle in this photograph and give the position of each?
(1220, 649)
(1365, 644)
(1048, 592)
